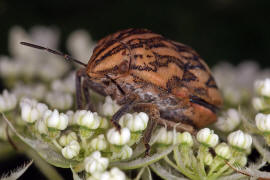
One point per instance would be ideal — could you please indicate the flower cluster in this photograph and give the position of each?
(7, 101)
(88, 143)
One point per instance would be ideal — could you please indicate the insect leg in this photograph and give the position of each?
(85, 89)
(124, 109)
(79, 98)
(154, 115)
(178, 126)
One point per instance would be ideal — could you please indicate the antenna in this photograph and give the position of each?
(66, 57)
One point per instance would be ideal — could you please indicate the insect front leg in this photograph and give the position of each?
(124, 109)
(83, 84)
(79, 97)
(88, 103)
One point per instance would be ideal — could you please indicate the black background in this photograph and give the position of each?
(232, 30)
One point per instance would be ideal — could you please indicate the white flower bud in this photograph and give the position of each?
(59, 100)
(71, 150)
(66, 139)
(113, 174)
(95, 163)
(208, 159)
(110, 107)
(87, 119)
(207, 137)
(8, 101)
(262, 87)
(136, 121)
(229, 121)
(185, 138)
(125, 153)
(164, 136)
(31, 110)
(41, 126)
(118, 138)
(223, 150)
(240, 140)
(263, 122)
(56, 120)
(99, 143)
(241, 161)
(71, 120)
(259, 103)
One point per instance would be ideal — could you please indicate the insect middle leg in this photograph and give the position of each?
(154, 119)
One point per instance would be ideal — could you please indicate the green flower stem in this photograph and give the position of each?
(217, 162)
(201, 154)
(84, 144)
(138, 177)
(185, 152)
(228, 172)
(180, 169)
(220, 171)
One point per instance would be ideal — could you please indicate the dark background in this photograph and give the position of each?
(232, 30)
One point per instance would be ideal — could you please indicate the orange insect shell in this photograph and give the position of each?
(166, 73)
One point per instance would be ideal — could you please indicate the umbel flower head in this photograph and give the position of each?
(223, 150)
(56, 120)
(135, 122)
(263, 122)
(207, 137)
(185, 138)
(165, 137)
(240, 140)
(262, 87)
(71, 150)
(118, 137)
(31, 110)
(8, 101)
(95, 163)
(87, 119)
(229, 121)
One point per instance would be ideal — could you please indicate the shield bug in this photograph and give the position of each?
(144, 71)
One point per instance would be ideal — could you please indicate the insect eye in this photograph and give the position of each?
(123, 67)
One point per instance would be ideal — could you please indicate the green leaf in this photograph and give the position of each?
(141, 162)
(45, 150)
(17, 173)
(147, 174)
(49, 171)
(161, 172)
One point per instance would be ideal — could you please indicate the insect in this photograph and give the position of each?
(144, 71)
